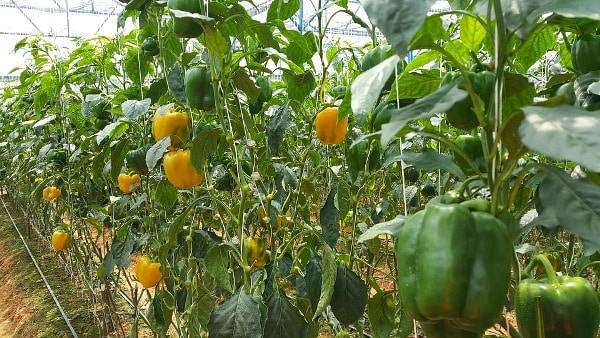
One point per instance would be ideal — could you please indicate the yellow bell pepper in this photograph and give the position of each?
(129, 183)
(170, 122)
(180, 171)
(147, 272)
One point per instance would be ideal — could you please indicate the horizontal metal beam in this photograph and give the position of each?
(57, 10)
(46, 35)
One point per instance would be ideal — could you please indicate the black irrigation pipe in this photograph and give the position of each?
(60, 308)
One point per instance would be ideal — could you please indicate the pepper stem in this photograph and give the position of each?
(543, 260)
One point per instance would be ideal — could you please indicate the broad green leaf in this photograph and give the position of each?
(165, 195)
(328, 276)
(573, 204)
(472, 33)
(217, 263)
(277, 126)
(284, 319)
(429, 34)
(215, 41)
(350, 296)
(117, 157)
(521, 93)
(421, 60)
(134, 109)
(427, 160)
(381, 310)
(156, 152)
(436, 103)
(47, 119)
(175, 81)
(237, 317)
(243, 82)
(391, 227)
(329, 218)
(343, 198)
(563, 133)
(205, 143)
(301, 48)
(160, 311)
(299, 86)
(368, 85)
(108, 131)
(415, 85)
(282, 9)
(534, 48)
(399, 20)
(459, 52)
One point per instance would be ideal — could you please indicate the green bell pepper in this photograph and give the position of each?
(585, 53)
(556, 306)
(357, 157)
(198, 88)
(150, 46)
(454, 268)
(462, 114)
(186, 27)
(136, 159)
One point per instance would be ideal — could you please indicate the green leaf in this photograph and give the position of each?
(134, 109)
(419, 61)
(237, 317)
(521, 93)
(472, 33)
(415, 85)
(534, 48)
(176, 83)
(203, 305)
(428, 160)
(343, 198)
(350, 296)
(367, 87)
(155, 153)
(47, 119)
(381, 314)
(216, 42)
(160, 311)
(282, 9)
(329, 218)
(205, 143)
(299, 85)
(276, 128)
(430, 32)
(399, 20)
(563, 133)
(459, 52)
(242, 81)
(110, 130)
(165, 195)
(436, 103)
(328, 276)
(391, 227)
(217, 263)
(573, 204)
(117, 157)
(301, 48)
(284, 319)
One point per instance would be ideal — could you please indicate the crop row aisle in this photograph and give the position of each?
(308, 168)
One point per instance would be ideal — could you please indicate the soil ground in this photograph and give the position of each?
(26, 307)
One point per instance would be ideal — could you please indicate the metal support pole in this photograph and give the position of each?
(301, 17)
(68, 18)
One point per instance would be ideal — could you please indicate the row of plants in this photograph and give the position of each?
(229, 177)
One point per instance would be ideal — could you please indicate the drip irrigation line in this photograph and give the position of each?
(60, 308)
